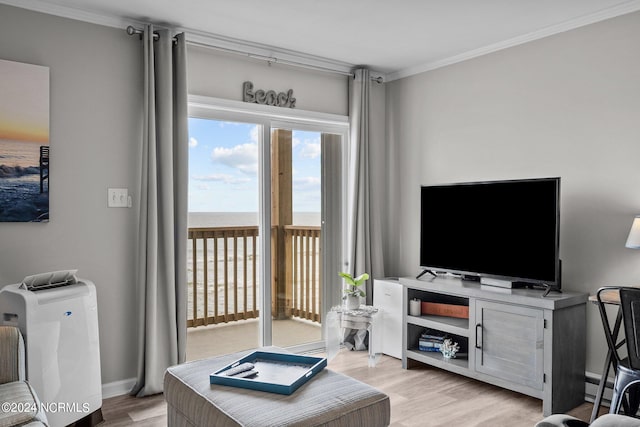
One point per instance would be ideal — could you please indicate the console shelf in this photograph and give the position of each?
(513, 338)
(452, 325)
(437, 360)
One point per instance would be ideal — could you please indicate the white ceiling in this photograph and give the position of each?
(395, 38)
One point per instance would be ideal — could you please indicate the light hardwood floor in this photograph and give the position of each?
(422, 396)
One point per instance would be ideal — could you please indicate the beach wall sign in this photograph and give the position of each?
(269, 97)
(24, 142)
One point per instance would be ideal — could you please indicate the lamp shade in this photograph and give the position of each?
(633, 241)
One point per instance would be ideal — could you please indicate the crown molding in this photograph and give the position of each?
(207, 40)
(288, 57)
(71, 13)
(612, 12)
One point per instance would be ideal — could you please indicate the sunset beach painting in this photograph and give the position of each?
(24, 142)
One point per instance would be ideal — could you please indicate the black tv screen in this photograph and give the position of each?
(499, 229)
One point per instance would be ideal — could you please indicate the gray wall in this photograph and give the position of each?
(220, 75)
(94, 134)
(96, 93)
(568, 106)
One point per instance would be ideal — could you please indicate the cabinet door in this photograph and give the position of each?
(510, 342)
(387, 296)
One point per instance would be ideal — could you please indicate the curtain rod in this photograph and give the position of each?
(270, 59)
(133, 31)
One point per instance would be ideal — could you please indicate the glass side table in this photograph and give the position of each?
(343, 326)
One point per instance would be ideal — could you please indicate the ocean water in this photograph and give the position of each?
(20, 197)
(229, 219)
(237, 263)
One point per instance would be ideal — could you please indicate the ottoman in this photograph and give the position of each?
(328, 399)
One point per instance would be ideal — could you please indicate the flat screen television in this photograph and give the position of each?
(505, 230)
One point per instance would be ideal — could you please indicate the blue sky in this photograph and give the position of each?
(223, 167)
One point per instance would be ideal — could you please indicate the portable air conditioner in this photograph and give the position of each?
(58, 316)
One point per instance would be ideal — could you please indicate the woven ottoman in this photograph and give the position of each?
(328, 399)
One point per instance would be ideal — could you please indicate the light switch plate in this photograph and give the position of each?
(118, 197)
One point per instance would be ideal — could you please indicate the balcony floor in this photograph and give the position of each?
(225, 338)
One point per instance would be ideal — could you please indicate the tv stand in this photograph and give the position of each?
(548, 289)
(425, 271)
(511, 338)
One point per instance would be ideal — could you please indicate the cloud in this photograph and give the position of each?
(311, 150)
(307, 183)
(254, 134)
(193, 142)
(243, 157)
(221, 177)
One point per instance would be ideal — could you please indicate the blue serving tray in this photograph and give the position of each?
(277, 372)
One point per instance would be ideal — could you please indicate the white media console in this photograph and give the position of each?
(513, 338)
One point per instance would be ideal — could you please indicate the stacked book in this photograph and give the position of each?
(431, 340)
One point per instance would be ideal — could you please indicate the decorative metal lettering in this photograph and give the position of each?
(269, 97)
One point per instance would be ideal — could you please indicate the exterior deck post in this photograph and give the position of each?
(281, 216)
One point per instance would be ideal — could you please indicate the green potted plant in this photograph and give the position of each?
(352, 292)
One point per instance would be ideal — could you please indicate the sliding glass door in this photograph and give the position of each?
(265, 219)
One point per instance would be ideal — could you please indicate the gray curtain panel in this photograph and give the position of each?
(365, 250)
(161, 277)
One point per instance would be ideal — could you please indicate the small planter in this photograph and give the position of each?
(352, 302)
(352, 290)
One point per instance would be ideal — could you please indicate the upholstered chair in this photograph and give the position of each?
(20, 404)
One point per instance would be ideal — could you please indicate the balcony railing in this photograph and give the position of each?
(305, 269)
(223, 264)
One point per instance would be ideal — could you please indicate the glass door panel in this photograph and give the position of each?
(298, 294)
(223, 259)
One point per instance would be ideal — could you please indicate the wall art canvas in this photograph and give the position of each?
(24, 142)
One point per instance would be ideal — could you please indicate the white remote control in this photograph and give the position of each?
(238, 369)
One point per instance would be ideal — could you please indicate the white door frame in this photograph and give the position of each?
(268, 117)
